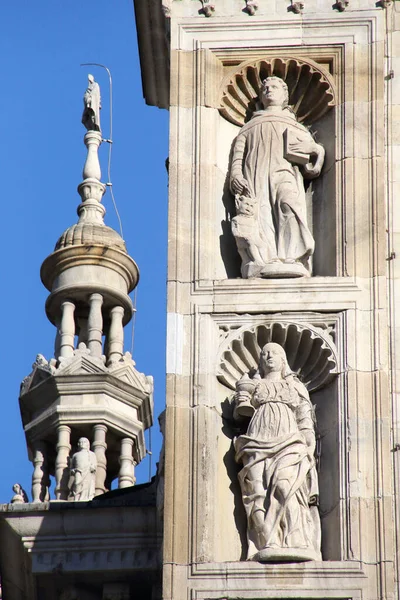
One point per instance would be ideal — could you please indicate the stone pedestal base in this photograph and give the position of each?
(275, 270)
(286, 555)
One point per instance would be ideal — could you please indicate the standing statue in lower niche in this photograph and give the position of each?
(83, 471)
(278, 479)
(271, 156)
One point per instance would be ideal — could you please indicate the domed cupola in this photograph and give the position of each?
(91, 387)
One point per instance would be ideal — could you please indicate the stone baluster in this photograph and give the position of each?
(40, 475)
(99, 447)
(95, 325)
(92, 165)
(115, 340)
(126, 475)
(61, 466)
(67, 330)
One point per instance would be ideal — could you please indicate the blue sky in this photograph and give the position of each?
(42, 45)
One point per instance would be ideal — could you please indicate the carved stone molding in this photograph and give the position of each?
(311, 88)
(310, 351)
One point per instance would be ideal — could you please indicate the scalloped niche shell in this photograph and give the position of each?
(311, 354)
(311, 88)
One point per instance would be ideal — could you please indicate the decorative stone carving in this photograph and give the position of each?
(310, 350)
(83, 471)
(251, 7)
(92, 106)
(278, 479)
(166, 8)
(341, 5)
(311, 88)
(20, 496)
(296, 7)
(271, 156)
(207, 8)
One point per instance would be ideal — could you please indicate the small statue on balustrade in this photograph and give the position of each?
(272, 155)
(278, 479)
(83, 472)
(20, 496)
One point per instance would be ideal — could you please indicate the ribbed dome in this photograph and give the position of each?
(90, 233)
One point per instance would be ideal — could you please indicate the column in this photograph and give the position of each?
(116, 335)
(61, 466)
(99, 447)
(95, 325)
(67, 329)
(40, 475)
(126, 475)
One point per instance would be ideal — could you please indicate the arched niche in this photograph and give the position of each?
(313, 356)
(312, 95)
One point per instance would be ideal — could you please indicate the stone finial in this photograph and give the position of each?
(297, 6)
(83, 471)
(92, 106)
(251, 7)
(20, 496)
(208, 8)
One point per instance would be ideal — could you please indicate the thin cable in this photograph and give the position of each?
(150, 453)
(109, 140)
(133, 319)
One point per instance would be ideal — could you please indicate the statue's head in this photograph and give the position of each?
(274, 92)
(273, 359)
(83, 444)
(245, 206)
(90, 78)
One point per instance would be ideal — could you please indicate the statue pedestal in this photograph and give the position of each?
(286, 555)
(275, 270)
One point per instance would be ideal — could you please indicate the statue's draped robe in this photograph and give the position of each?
(84, 465)
(278, 479)
(276, 184)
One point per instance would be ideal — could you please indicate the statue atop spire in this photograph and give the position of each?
(92, 106)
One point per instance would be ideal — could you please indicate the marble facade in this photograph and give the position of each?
(337, 327)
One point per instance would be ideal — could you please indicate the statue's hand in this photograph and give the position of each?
(313, 168)
(304, 146)
(240, 186)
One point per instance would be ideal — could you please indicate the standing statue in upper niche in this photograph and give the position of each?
(92, 106)
(278, 479)
(271, 156)
(83, 471)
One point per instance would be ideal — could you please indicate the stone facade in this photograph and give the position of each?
(337, 326)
